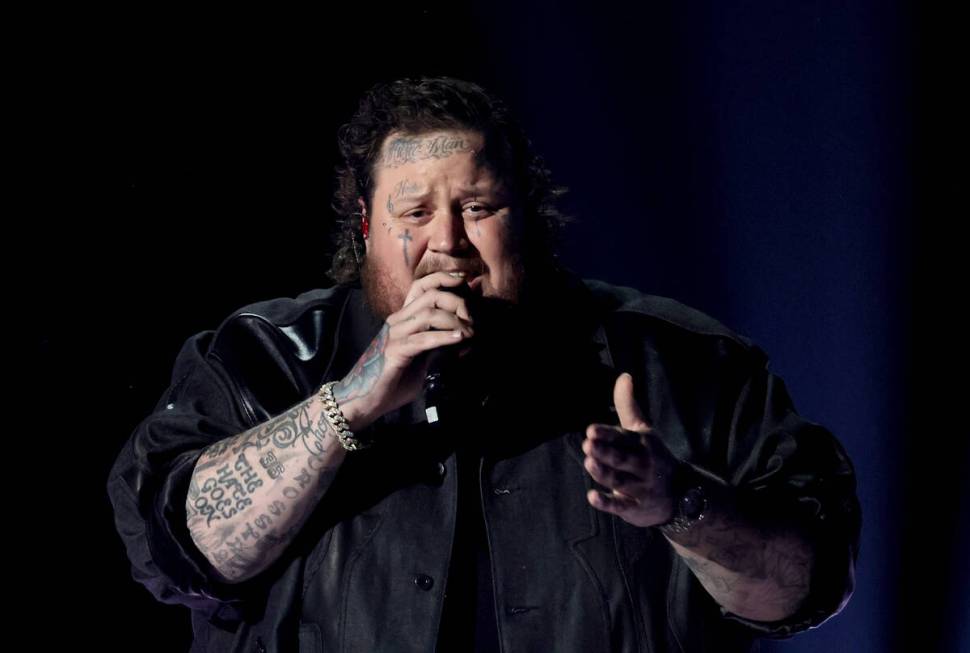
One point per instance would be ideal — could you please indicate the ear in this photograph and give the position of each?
(365, 220)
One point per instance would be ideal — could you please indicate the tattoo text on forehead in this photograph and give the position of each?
(408, 149)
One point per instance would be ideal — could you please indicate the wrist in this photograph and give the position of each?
(348, 418)
(691, 502)
(360, 411)
(358, 414)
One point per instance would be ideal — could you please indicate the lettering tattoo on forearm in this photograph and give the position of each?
(243, 507)
(234, 554)
(237, 548)
(226, 493)
(284, 431)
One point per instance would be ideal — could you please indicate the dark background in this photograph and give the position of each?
(786, 167)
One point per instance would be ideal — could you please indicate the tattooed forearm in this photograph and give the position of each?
(304, 425)
(252, 544)
(250, 494)
(755, 570)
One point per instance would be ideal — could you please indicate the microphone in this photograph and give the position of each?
(442, 365)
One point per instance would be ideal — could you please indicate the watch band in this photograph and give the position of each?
(690, 503)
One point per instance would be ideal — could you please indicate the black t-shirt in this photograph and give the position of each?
(468, 621)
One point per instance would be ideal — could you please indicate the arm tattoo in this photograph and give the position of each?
(236, 548)
(283, 431)
(273, 466)
(739, 561)
(224, 494)
(242, 509)
(362, 378)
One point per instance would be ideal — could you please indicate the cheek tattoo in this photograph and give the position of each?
(405, 237)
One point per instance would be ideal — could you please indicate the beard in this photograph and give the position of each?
(380, 293)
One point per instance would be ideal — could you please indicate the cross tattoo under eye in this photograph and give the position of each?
(405, 237)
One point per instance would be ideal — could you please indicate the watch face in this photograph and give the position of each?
(693, 503)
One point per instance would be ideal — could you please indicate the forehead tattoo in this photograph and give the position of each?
(405, 187)
(408, 149)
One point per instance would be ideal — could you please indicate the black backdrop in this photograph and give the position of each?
(775, 166)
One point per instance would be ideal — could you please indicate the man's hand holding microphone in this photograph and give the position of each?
(432, 329)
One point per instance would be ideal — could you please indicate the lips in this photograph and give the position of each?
(472, 277)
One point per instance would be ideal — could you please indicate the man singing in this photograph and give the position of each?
(592, 469)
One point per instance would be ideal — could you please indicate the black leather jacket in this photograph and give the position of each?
(368, 571)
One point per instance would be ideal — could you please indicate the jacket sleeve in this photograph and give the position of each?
(148, 485)
(784, 463)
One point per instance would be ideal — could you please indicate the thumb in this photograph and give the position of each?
(631, 417)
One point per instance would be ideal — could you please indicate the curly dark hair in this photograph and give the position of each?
(416, 106)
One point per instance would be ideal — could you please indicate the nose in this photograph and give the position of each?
(448, 233)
